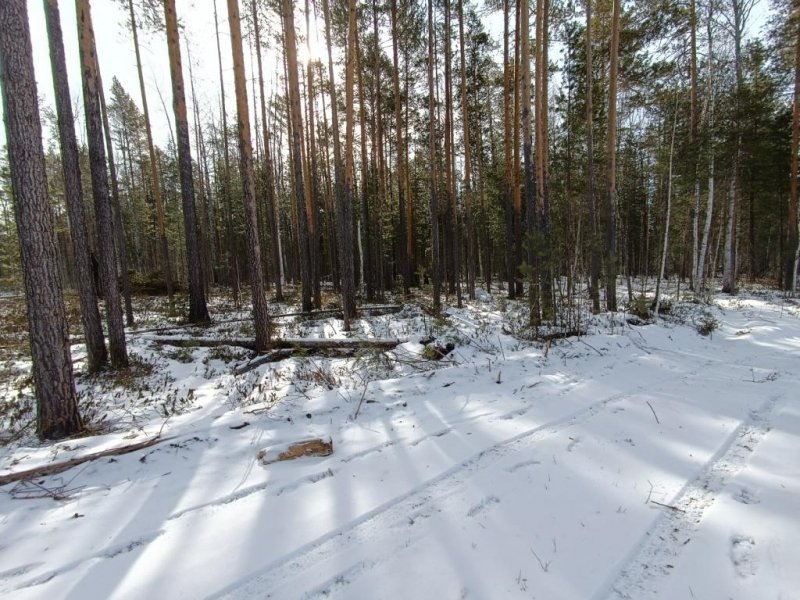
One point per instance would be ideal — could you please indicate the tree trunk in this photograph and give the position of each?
(405, 264)
(508, 189)
(346, 211)
(57, 407)
(260, 309)
(701, 259)
(198, 312)
(367, 253)
(790, 276)
(468, 226)
(527, 150)
(296, 144)
(694, 120)
(107, 258)
(611, 177)
(543, 150)
(90, 315)
(669, 211)
(269, 184)
(594, 268)
(436, 270)
(233, 261)
(154, 176)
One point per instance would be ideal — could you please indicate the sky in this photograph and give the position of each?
(117, 59)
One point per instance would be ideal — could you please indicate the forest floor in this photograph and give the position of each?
(633, 461)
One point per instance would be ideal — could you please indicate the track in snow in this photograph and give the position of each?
(294, 572)
(659, 547)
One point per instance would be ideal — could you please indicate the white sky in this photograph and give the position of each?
(117, 59)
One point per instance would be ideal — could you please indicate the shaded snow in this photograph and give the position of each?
(634, 462)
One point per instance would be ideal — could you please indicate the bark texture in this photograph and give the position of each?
(107, 256)
(260, 309)
(198, 311)
(73, 188)
(57, 408)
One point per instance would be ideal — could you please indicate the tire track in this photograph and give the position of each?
(652, 558)
(385, 519)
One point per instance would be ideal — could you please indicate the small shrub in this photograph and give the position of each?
(706, 325)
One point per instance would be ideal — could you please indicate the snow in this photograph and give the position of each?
(633, 462)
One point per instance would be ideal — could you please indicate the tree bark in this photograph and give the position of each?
(233, 260)
(405, 265)
(468, 226)
(296, 145)
(527, 150)
(594, 246)
(90, 315)
(611, 176)
(269, 184)
(198, 311)
(436, 269)
(346, 211)
(154, 176)
(57, 407)
(116, 210)
(107, 258)
(790, 276)
(260, 308)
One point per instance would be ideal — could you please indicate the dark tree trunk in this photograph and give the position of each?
(57, 407)
(405, 259)
(198, 312)
(611, 177)
(106, 258)
(269, 184)
(436, 271)
(346, 210)
(260, 309)
(90, 315)
(116, 210)
(296, 145)
(790, 275)
(154, 177)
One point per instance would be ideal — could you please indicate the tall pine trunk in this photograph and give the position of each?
(260, 309)
(611, 174)
(198, 312)
(790, 276)
(166, 266)
(468, 225)
(269, 184)
(73, 191)
(57, 408)
(296, 146)
(107, 258)
(594, 246)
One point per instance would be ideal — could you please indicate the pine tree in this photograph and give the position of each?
(57, 408)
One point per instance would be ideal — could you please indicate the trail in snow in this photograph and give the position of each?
(450, 484)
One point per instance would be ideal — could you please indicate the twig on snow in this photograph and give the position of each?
(545, 565)
(654, 411)
(669, 506)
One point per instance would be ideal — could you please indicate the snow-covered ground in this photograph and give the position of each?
(633, 462)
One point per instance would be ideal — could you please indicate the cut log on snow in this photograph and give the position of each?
(310, 345)
(269, 357)
(60, 467)
(312, 447)
(378, 309)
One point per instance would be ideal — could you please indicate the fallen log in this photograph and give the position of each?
(204, 342)
(312, 447)
(311, 345)
(60, 467)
